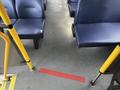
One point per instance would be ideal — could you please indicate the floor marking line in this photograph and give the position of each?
(3, 86)
(12, 84)
(62, 75)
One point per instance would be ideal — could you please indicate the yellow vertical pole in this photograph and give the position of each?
(14, 35)
(6, 54)
(112, 57)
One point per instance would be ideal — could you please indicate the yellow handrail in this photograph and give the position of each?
(111, 58)
(6, 54)
(14, 35)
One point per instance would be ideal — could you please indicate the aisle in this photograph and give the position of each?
(59, 52)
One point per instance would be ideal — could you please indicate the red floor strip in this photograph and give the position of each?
(62, 75)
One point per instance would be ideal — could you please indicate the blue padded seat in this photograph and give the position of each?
(12, 20)
(30, 24)
(97, 23)
(29, 9)
(10, 8)
(72, 9)
(97, 34)
(45, 4)
(34, 28)
(72, 5)
(72, 1)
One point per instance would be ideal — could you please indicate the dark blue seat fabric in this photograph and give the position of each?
(72, 1)
(12, 20)
(10, 8)
(72, 8)
(30, 24)
(94, 11)
(97, 34)
(30, 28)
(45, 4)
(97, 23)
(72, 5)
(29, 9)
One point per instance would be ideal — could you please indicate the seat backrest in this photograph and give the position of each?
(43, 3)
(29, 8)
(10, 8)
(72, 1)
(96, 11)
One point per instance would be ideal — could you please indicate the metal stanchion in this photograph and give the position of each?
(107, 63)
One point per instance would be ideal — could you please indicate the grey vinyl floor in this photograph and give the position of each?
(58, 51)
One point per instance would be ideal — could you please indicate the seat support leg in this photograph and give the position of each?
(36, 43)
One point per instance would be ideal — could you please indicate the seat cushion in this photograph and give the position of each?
(72, 8)
(30, 28)
(98, 34)
(12, 20)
